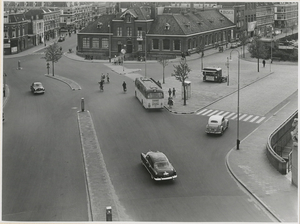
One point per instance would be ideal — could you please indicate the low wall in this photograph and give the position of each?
(276, 143)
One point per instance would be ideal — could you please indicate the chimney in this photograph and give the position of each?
(153, 11)
(192, 6)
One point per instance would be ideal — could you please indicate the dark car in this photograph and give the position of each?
(61, 39)
(37, 87)
(158, 166)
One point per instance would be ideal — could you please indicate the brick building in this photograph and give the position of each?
(15, 33)
(161, 34)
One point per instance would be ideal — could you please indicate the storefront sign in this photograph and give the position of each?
(14, 49)
(7, 45)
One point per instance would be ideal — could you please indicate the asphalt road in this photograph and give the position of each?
(43, 170)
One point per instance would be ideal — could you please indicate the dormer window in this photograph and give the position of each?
(167, 26)
(128, 18)
(99, 25)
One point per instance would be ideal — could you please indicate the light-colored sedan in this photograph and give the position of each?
(217, 124)
(37, 87)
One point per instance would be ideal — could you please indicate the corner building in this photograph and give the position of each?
(159, 33)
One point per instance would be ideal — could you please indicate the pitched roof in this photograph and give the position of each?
(137, 12)
(104, 20)
(189, 23)
(16, 17)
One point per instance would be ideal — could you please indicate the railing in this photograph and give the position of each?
(276, 143)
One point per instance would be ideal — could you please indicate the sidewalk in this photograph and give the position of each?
(249, 165)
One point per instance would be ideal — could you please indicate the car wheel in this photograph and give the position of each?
(222, 131)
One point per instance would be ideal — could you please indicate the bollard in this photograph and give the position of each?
(108, 213)
(19, 64)
(82, 104)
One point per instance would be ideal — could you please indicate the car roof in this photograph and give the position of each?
(37, 83)
(157, 156)
(215, 118)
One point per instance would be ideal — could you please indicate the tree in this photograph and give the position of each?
(243, 39)
(53, 54)
(164, 62)
(181, 73)
(257, 50)
(199, 50)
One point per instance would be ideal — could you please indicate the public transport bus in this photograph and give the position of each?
(149, 93)
(212, 74)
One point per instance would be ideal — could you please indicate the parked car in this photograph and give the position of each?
(233, 45)
(158, 166)
(61, 39)
(217, 124)
(37, 87)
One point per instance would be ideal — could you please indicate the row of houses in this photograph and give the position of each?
(165, 31)
(28, 24)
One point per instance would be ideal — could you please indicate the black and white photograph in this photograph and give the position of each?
(149, 111)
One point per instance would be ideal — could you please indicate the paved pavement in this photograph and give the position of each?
(249, 165)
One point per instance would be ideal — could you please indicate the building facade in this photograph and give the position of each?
(264, 19)
(15, 33)
(286, 15)
(138, 30)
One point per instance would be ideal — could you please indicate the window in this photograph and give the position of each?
(104, 43)
(128, 18)
(139, 32)
(95, 43)
(140, 46)
(85, 42)
(6, 33)
(129, 31)
(13, 33)
(155, 44)
(119, 31)
(176, 45)
(166, 44)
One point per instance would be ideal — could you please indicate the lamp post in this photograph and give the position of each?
(227, 64)
(271, 54)
(145, 53)
(109, 44)
(238, 101)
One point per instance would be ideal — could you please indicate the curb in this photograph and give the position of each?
(245, 187)
(72, 84)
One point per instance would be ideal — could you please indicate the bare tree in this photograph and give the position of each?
(164, 62)
(181, 73)
(53, 53)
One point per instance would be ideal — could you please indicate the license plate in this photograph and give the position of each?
(155, 102)
(210, 78)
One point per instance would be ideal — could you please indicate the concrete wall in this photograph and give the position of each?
(276, 143)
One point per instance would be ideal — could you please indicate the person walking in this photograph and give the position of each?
(174, 92)
(170, 92)
(264, 63)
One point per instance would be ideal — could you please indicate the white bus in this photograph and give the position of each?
(149, 93)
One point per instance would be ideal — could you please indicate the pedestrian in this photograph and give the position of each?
(170, 102)
(158, 83)
(264, 63)
(170, 92)
(174, 92)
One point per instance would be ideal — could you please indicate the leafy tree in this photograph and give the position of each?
(164, 62)
(181, 73)
(257, 50)
(53, 54)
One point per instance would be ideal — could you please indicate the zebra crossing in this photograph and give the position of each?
(231, 115)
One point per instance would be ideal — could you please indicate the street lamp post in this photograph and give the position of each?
(238, 101)
(227, 64)
(145, 54)
(109, 44)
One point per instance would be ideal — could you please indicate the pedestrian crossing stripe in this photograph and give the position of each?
(233, 116)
